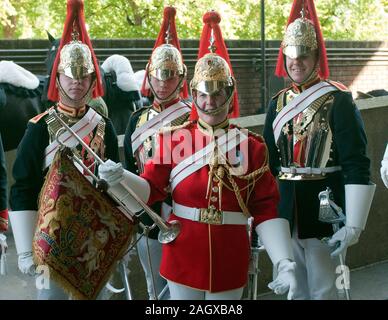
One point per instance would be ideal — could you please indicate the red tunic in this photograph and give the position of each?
(3, 220)
(205, 256)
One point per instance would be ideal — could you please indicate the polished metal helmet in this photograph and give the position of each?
(75, 57)
(166, 62)
(212, 74)
(300, 38)
(76, 60)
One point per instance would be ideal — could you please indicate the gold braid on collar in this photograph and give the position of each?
(211, 130)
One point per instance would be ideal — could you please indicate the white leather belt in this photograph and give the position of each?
(309, 170)
(209, 215)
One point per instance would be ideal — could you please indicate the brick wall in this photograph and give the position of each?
(363, 66)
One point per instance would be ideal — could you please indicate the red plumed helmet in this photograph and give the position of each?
(166, 58)
(215, 56)
(75, 57)
(303, 34)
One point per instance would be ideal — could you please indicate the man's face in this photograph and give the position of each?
(75, 89)
(211, 103)
(300, 69)
(164, 88)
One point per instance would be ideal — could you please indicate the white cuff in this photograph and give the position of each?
(23, 227)
(137, 184)
(358, 199)
(276, 237)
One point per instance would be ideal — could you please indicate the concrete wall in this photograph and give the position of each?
(373, 245)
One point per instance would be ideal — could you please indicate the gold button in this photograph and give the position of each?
(215, 189)
(213, 199)
(215, 180)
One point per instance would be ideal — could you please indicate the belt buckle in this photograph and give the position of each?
(210, 215)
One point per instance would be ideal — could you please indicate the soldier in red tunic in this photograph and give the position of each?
(3, 209)
(218, 177)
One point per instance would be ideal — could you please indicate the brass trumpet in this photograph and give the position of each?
(168, 230)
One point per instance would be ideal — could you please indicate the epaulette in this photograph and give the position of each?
(168, 129)
(281, 91)
(340, 86)
(136, 116)
(39, 117)
(139, 111)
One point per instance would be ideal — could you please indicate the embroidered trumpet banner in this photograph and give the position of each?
(80, 233)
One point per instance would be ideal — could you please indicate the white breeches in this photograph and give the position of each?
(181, 292)
(315, 269)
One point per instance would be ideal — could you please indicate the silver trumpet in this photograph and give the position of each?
(168, 230)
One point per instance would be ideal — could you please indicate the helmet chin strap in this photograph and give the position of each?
(77, 103)
(218, 110)
(312, 75)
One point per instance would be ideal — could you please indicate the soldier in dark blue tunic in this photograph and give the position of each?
(75, 79)
(165, 81)
(316, 140)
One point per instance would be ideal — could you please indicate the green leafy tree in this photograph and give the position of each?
(340, 19)
(23, 18)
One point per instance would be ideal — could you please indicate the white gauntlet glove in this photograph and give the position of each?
(347, 236)
(285, 280)
(116, 177)
(384, 168)
(111, 172)
(358, 199)
(23, 226)
(384, 172)
(276, 237)
(3, 254)
(26, 263)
